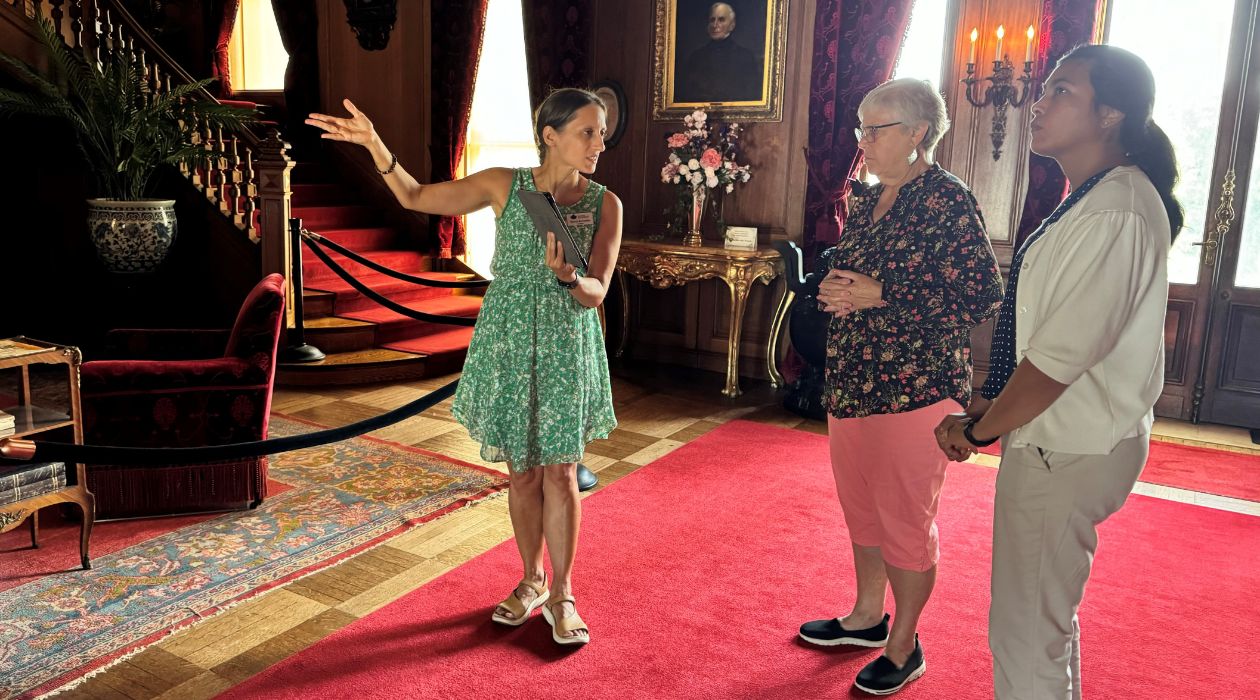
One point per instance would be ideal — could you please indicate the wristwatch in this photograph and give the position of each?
(567, 285)
(972, 438)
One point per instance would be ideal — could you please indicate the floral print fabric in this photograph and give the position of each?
(535, 388)
(940, 278)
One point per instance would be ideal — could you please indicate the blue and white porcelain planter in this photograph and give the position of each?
(132, 236)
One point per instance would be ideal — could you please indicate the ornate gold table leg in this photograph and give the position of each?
(625, 312)
(738, 284)
(776, 325)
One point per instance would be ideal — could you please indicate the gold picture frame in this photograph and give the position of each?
(737, 76)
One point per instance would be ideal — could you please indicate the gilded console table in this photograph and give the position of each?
(663, 265)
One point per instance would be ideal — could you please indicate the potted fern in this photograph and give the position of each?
(126, 133)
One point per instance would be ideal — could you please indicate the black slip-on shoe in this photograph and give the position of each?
(829, 633)
(882, 677)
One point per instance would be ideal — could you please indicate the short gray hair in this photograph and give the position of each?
(915, 102)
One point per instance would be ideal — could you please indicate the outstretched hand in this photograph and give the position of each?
(357, 129)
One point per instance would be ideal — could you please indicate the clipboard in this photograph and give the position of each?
(543, 211)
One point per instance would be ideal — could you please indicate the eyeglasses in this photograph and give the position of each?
(863, 132)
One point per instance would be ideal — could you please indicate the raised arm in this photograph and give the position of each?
(486, 188)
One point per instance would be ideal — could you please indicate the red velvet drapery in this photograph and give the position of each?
(557, 45)
(855, 49)
(298, 22)
(458, 28)
(223, 16)
(1064, 25)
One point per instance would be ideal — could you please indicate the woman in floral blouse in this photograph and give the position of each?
(913, 273)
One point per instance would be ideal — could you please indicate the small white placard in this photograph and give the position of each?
(741, 237)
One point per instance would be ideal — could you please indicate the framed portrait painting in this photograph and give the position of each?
(723, 57)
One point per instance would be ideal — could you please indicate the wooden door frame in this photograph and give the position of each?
(1233, 186)
(1192, 307)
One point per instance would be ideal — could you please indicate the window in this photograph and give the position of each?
(255, 53)
(1188, 85)
(500, 128)
(924, 47)
(922, 51)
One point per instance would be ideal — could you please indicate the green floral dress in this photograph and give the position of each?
(535, 388)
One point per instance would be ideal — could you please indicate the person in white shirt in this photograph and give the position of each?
(1076, 365)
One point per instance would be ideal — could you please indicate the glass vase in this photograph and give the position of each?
(699, 198)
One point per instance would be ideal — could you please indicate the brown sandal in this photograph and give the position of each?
(520, 611)
(561, 627)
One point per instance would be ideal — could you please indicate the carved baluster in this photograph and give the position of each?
(195, 139)
(238, 177)
(189, 131)
(224, 164)
(212, 183)
(105, 37)
(146, 95)
(156, 84)
(56, 14)
(251, 196)
(76, 22)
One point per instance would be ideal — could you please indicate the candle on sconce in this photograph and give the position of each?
(1001, 32)
(975, 34)
(1028, 52)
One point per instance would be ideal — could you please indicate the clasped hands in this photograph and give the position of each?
(950, 438)
(844, 291)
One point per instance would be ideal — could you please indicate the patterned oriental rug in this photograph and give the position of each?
(341, 499)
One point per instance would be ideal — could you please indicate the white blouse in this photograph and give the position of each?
(1090, 305)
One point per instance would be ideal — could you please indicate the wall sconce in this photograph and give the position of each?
(372, 21)
(1002, 92)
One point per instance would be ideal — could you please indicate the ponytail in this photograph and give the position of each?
(1149, 148)
(1123, 81)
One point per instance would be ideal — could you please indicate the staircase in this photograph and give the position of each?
(363, 341)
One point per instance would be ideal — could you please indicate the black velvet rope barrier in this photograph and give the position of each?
(387, 303)
(151, 456)
(368, 262)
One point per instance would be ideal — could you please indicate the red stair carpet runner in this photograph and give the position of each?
(1193, 468)
(695, 571)
(335, 212)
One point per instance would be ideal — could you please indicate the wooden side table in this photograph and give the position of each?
(32, 419)
(664, 265)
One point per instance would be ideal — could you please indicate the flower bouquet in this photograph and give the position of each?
(702, 157)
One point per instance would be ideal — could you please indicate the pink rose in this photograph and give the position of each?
(677, 140)
(710, 159)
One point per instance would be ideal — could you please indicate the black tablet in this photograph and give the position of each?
(546, 216)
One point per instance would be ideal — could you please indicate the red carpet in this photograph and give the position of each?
(1200, 469)
(59, 541)
(695, 572)
(339, 213)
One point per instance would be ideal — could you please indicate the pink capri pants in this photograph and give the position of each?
(889, 473)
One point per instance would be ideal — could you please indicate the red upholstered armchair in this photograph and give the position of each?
(192, 388)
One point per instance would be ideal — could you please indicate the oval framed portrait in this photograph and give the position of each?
(615, 98)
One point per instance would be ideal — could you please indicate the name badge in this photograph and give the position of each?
(585, 218)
